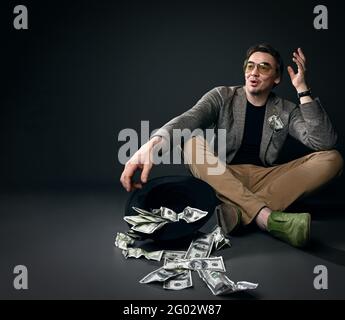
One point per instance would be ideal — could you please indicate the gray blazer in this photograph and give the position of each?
(225, 108)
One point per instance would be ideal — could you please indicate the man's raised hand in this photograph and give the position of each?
(298, 79)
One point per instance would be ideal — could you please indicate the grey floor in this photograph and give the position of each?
(65, 239)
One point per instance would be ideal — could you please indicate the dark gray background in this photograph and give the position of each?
(86, 70)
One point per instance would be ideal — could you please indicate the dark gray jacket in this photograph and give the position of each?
(225, 108)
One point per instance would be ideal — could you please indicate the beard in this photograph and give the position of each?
(255, 91)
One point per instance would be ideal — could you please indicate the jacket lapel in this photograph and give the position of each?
(273, 107)
(239, 114)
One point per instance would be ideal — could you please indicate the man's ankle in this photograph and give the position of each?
(262, 218)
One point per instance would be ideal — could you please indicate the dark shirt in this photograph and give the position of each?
(250, 147)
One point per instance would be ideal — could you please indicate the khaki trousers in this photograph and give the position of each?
(251, 187)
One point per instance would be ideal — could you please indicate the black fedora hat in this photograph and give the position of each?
(176, 193)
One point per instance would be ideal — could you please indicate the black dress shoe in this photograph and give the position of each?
(228, 217)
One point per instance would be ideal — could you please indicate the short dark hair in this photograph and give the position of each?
(267, 48)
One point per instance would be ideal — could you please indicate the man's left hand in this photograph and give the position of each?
(298, 79)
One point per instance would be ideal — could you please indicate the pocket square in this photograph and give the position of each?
(275, 123)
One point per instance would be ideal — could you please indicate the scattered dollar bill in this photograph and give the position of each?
(192, 214)
(220, 240)
(171, 255)
(181, 281)
(167, 213)
(220, 284)
(152, 218)
(160, 275)
(136, 220)
(148, 227)
(201, 247)
(214, 263)
(138, 252)
(122, 241)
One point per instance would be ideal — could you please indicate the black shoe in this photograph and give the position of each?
(228, 217)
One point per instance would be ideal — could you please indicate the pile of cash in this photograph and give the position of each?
(149, 222)
(176, 272)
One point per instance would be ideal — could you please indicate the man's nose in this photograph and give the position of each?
(255, 71)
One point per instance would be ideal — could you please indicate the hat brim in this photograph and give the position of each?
(176, 193)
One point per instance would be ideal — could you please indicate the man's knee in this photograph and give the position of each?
(332, 159)
(337, 161)
(200, 158)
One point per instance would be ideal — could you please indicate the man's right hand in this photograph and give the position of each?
(141, 160)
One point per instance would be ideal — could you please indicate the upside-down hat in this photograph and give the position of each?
(176, 193)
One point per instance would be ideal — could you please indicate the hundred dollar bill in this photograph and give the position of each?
(136, 220)
(155, 215)
(160, 275)
(138, 252)
(220, 240)
(220, 284)
(190, 214)
(201, 247)
(151, 218)
(122, 240)
(214, 263)
(145, 212)
(171, 255)
(148, 227)
(168, 214)
(181, 281)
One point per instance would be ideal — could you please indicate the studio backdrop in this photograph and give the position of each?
(82, 71)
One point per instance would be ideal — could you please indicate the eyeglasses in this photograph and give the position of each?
(263, 67)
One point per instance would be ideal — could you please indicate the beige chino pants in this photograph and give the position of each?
(251, 187)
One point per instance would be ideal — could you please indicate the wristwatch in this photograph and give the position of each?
(304, 93)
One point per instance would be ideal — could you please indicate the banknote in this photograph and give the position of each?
(136, 220)
(152, 218)
(181, 281)
(148, 227)
(220, 239)
(171, 254)
(160, 275)
(138, 252)
(122, 240)
(220, 284)
(212, 263)
(190, 214)
(168, 214)
(145, 212)
(201, 247)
